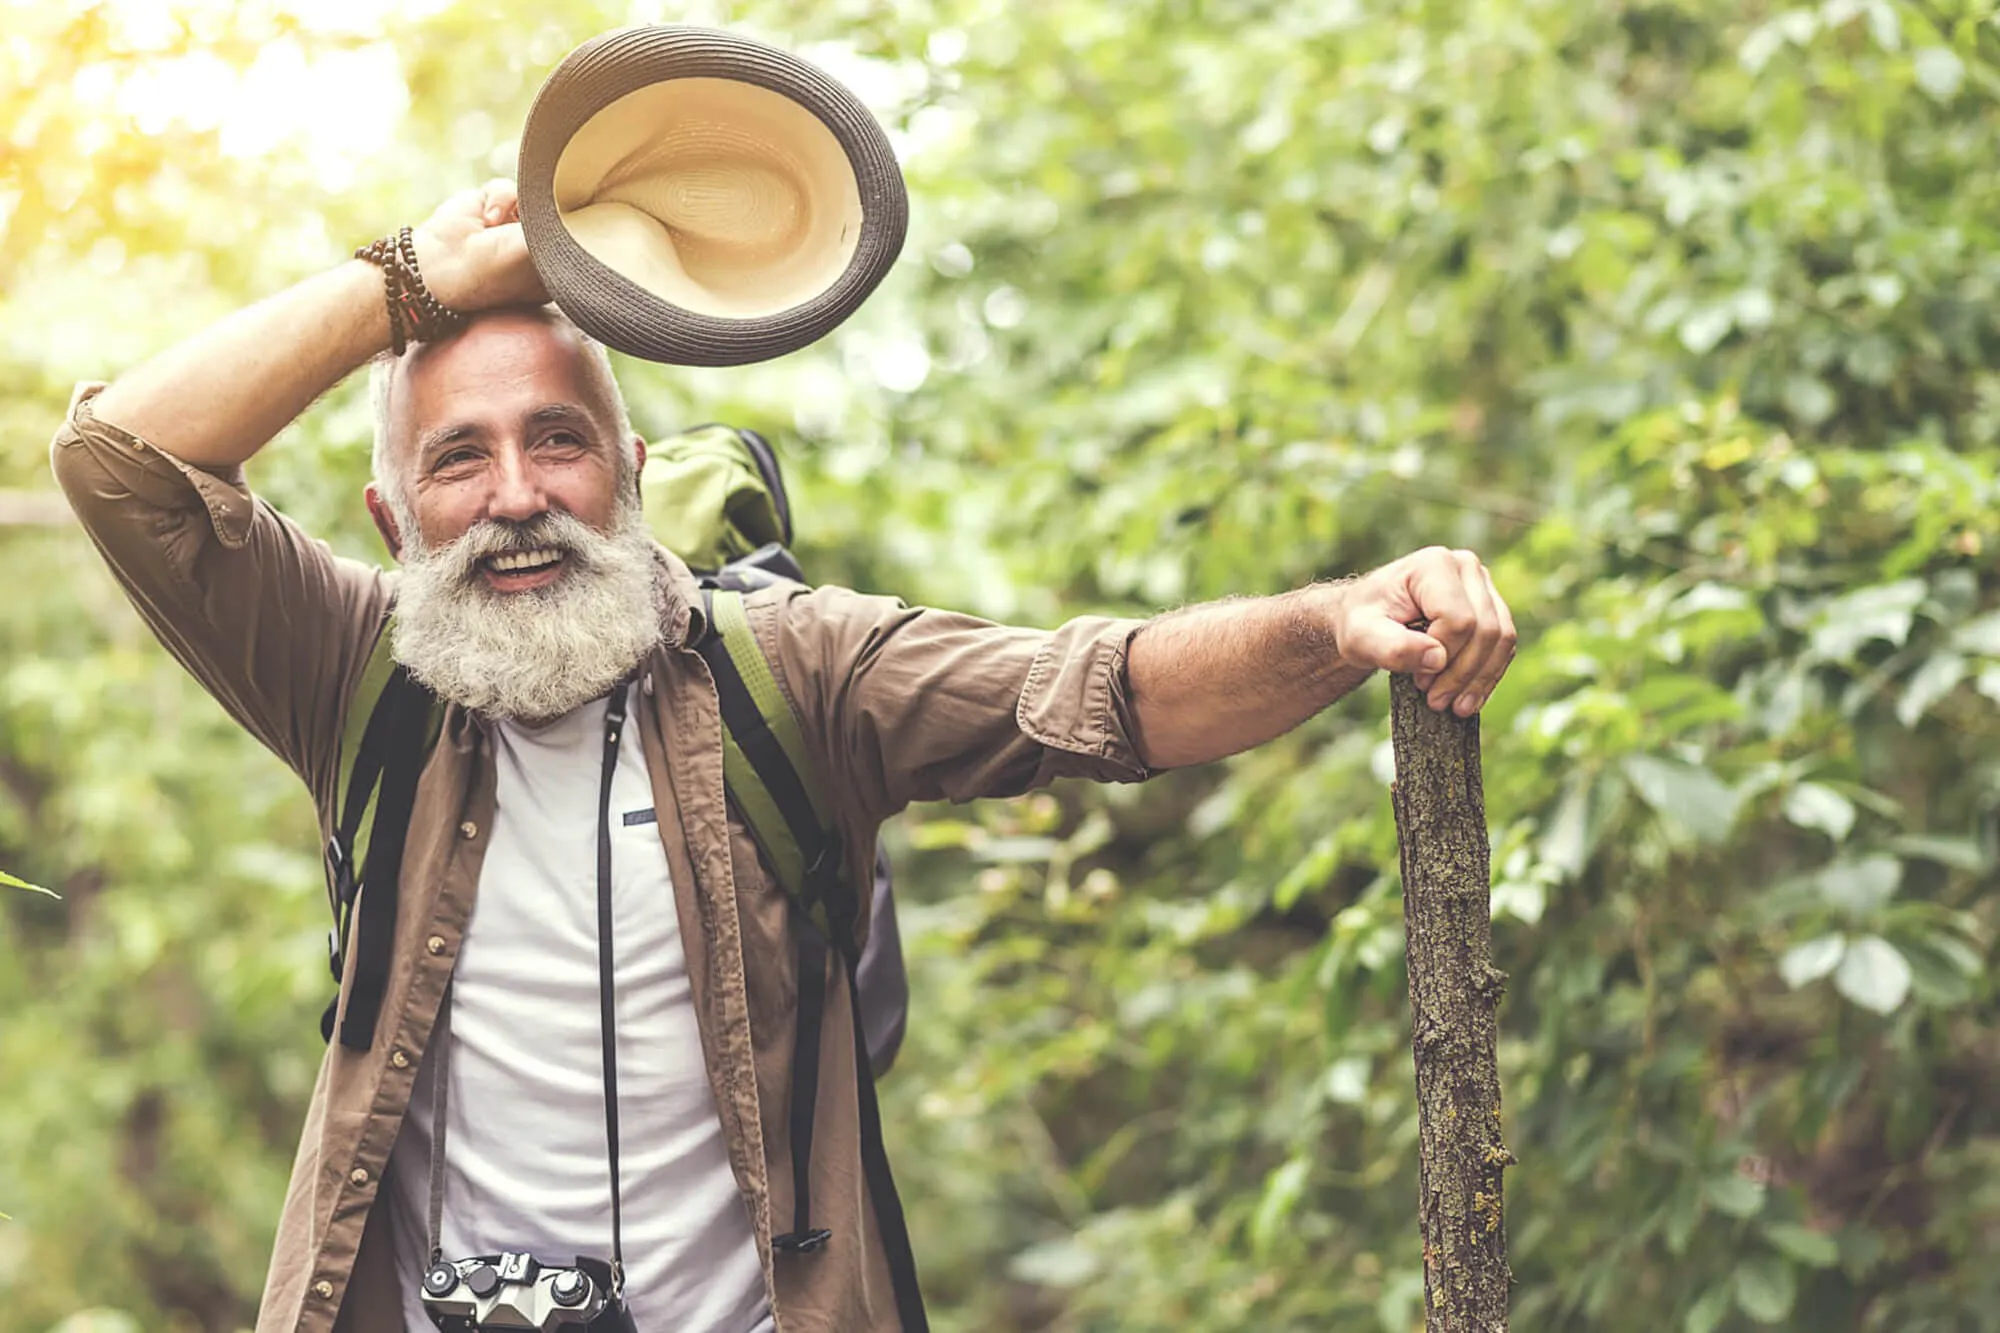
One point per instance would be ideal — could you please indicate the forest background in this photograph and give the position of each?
(1684, 314)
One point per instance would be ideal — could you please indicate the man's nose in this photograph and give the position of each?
(517, 492)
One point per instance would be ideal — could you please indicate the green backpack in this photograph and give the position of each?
(714, 496)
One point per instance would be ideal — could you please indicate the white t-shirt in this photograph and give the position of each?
(525, 1159)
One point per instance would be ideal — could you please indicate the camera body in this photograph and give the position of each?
(515, 1291)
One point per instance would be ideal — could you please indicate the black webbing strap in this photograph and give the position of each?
(804, 1236)
(404, 714)
(827, 886)
(344, 879)
(747, 727)
(875, 1170)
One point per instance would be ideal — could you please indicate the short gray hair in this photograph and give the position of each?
(382, 381)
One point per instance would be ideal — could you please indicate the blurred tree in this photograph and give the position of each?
(1681, 311)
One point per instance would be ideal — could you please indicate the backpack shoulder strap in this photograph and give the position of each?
(392, 723)
(768, 773)
(360, 713)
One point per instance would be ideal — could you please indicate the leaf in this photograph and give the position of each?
(1806, 963)
(1939, 976)
(1874, 974)
(1282, 1192)
(1932, 681)
(8, 881)
(1817, 806)
(1860, 888)
(1705, 1315)
(1523, 899)
(1815, 1249)
(1347, 1080)
(1766, 1288)
(1684, 794)
(1568, 838)
(1980, 635)
(1736, 1195)
(1808, 398)
(1883, 611)
(1705, 327)
(1958, 853)
(1939, 71)
(1060, 1263)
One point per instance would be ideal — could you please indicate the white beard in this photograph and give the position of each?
(529, 656)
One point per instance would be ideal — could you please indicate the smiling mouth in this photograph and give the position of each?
(517, 563)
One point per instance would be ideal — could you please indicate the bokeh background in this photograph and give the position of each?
(1683, 313)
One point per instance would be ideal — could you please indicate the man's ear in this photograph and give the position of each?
(639, 463)
(385, 522)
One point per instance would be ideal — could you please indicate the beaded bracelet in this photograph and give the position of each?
(415, 315)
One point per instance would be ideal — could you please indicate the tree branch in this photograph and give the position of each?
(1454, 993)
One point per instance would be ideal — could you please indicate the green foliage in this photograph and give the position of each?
(1683, 313)
(8, 881)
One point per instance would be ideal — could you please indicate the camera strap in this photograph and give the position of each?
(614, 727)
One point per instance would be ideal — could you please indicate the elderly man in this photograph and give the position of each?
(533, 603)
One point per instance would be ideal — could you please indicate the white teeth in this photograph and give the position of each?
(505, 564)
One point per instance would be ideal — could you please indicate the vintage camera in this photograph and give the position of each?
(499, 1291)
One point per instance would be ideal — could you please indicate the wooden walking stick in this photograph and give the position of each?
(1454, 991)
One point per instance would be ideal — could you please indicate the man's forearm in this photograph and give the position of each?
(1215, 679)
(218, 397)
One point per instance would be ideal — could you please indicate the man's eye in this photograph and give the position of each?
(564, 439)
(455, 457)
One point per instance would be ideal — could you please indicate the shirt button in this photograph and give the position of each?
(323, 1289)
(468, 829)
(435, 944)
(398, 1059)
(358, 1176)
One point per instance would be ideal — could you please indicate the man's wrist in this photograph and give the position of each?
(1322, 609)
(1326, 672)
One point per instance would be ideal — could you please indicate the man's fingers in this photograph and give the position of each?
(464, 204)
(501, 202)
(1380, 642)
(1456, 684)
(1470, 637)
(1502, 656)
(1439, 592)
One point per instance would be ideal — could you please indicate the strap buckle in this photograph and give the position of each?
(797, 1242)
(340, 866)
(340, 870)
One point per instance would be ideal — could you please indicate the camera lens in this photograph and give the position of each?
(570, 1288)
(483, 1280)
(441, 1279)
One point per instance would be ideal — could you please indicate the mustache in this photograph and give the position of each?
(459, 559)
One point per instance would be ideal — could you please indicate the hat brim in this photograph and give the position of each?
(609, 304)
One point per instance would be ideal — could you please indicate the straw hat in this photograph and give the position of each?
(695, 197)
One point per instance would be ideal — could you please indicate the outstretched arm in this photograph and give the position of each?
(218, 397)
(1215, 679)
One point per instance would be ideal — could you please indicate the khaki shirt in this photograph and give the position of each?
(897, 705)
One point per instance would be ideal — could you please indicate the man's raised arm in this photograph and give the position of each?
(217, 398)
(270, 621)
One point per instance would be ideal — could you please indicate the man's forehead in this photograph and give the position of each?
(494, 353)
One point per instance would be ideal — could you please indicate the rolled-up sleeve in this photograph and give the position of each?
(908, 704)
(269, 620)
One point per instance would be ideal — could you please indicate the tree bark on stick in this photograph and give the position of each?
(1454, 993)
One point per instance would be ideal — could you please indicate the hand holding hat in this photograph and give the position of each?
(473, 253)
